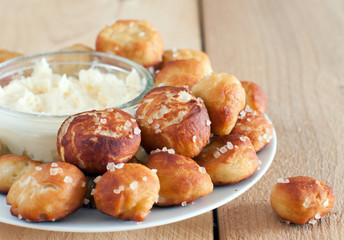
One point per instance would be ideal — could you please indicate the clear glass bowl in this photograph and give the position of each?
(34, 135)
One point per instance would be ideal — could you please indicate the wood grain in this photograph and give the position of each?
(38, 26)
(294, 50)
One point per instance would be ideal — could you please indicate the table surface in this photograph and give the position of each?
(293, 49)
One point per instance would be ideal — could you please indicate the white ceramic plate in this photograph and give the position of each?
(91, 220)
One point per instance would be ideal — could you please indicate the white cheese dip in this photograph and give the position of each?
(45, 92)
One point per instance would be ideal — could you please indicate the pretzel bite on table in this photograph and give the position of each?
(171, 117)
(134, 39)
(255, 126)
(182, 180)
(255, 97)
(301, 199)
(224, 98)
(12, 167)
(90, 140)
(127, 191)
(180, 73)
(228, 159)
(178, 54)
(49, 192)
(7, 55)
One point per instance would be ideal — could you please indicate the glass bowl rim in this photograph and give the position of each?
(41, 116)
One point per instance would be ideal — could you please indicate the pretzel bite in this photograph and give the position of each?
(255, 96)
(301, 199)
(49, 192)
(12, 167)
(90, 140)
(171, 117)
(224, 98)
(254, 125)
(127, 192)
(177, 54)
(228, 159)
(180, 73)
(7, 55)
(133, 39)
(182, 180)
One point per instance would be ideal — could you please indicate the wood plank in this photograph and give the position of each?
(38, 26)
(294, 50)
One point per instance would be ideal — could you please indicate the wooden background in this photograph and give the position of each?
(293, 49)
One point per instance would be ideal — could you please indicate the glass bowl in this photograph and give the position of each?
(34, 134)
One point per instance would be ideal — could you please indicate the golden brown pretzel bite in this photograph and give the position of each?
(48, 192)
(182, 180)
(301, 199)
(134, 39)
(171, 117)
(228, 159)
(127, 191)
(90, 140)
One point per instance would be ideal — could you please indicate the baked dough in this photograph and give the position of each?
(12, 167)
(127, 191)
(180, 73)
(301, 199)
(255, 97)
(254, 125)
(171, 117)
(182, 180)
(228, 159)
(177, 54)
(49, 192)
(134, 39)
(90, 140)
(224, 98)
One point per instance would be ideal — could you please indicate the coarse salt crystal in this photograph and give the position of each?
(184, 204)
(223, 149)
(194, 138)
(121, 188)
(133, 119)
(217, 154)
(55, 171)
(144, 178)
(38, 168)
(157, 131)
(109, 109)
(103, 120)
(229, 145)
(317, 216)
(93, 191)
(110, 166)
(19, 216)
(164, 149)
(140, 117)
(117, 191)
(326, 203)
(242, 138)
(96, 180)
(171, 151)
(86, 201)
(119, 165)
(208, 123)
(54, 164)
(236, 146)
(283, 180)
(202, 169)
(68, 179)
(154, 170)
(313, 221)
(248, 119)
(83, 184)
(133, 185)
(150, 121)
(141, 34)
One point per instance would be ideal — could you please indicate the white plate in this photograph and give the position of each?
(91, 220)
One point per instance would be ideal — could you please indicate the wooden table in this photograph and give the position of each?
(293, 49)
